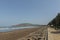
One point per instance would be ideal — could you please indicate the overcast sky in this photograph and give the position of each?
(28, 11)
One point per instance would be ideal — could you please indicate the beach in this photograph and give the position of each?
(16, 34)
(53, 34)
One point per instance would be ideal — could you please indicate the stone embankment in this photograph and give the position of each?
(40, 34)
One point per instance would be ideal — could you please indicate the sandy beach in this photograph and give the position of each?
(53, 34)
(16, 34)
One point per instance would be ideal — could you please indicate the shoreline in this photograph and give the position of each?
(16, 34)
(7, 29)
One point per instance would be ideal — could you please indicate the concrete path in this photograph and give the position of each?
(53, 35)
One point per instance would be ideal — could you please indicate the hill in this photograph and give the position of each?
(25, 24)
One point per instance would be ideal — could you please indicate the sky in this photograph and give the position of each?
(41, 12)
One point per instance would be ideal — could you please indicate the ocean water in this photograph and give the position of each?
(7, 29)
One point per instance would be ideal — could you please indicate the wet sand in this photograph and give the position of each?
(16, 34)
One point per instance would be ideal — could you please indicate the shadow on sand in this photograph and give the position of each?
(56, 32)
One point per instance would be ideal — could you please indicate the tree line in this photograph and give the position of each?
(55, 23)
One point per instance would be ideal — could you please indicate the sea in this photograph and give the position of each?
(7, 29)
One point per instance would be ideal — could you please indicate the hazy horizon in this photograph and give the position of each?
(28, 11)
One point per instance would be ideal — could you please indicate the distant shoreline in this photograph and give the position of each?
(8, 29)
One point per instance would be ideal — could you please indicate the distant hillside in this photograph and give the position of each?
(25, 24)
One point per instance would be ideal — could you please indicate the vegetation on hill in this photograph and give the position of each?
(25, 24)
